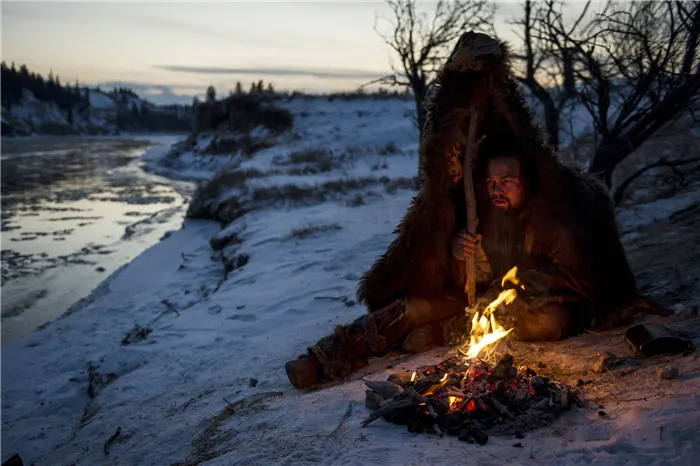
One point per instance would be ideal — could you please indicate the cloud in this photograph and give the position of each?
(159, 94)
(26, 10)
(332, 73)
(227, 36)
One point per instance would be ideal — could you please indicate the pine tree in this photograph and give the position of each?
(211, 93)
(253, 88)
(270, 88)
(239, 88)
(260, 87)
(195, 106)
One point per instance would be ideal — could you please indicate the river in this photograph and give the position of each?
(74, 210)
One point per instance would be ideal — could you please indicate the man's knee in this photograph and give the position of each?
(422, 311)
(545, 323)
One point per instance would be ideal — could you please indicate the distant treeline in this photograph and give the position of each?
(259, 88)
(130, 112)
(14, 79)
(256, 88)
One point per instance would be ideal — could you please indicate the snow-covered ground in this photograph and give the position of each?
(207, 384)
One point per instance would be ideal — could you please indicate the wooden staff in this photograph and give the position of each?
(472, 219)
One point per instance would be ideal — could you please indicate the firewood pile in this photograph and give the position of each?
(469, 399)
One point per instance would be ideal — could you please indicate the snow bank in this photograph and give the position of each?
(656, 211)
(101, 101)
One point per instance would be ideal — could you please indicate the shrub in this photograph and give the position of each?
(312, 229)
(247, 111)
(230, 144)
(206, 195)
(314, 161)
(395, 184)
(388, 148)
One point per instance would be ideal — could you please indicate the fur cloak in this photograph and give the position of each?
(418, 261)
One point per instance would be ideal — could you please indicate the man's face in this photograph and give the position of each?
(503, 183)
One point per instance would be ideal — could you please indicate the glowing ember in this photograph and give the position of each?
(485, 328)
(471, 406)
(452, 400)
(413, 376)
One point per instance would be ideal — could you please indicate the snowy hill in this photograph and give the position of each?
(182, 351)
(101, 101)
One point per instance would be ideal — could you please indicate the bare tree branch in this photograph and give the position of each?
(663, 162)
(422, 39)
(391, 80)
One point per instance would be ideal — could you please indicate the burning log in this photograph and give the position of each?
(470, 399)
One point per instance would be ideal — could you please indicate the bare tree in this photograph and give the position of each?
(423, 42)
(546, 70)
(637, 67)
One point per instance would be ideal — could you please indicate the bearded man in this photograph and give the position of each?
(553, 222)
(559, 305)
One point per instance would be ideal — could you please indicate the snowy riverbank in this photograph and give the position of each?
(212, 341)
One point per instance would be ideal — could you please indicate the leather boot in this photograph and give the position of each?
(304, 372)
(451, 331)
(423, 338)
(348, 348)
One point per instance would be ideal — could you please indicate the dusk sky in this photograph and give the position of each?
(180, 48)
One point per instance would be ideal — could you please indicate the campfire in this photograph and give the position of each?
(469, 396)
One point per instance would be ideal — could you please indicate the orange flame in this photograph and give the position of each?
(512, 277)
(485, 328)
(452, 400)
(435, 387)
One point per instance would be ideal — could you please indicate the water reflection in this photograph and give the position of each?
(78, 204)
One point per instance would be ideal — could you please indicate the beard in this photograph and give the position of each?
(501, 223)
(503, 230)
